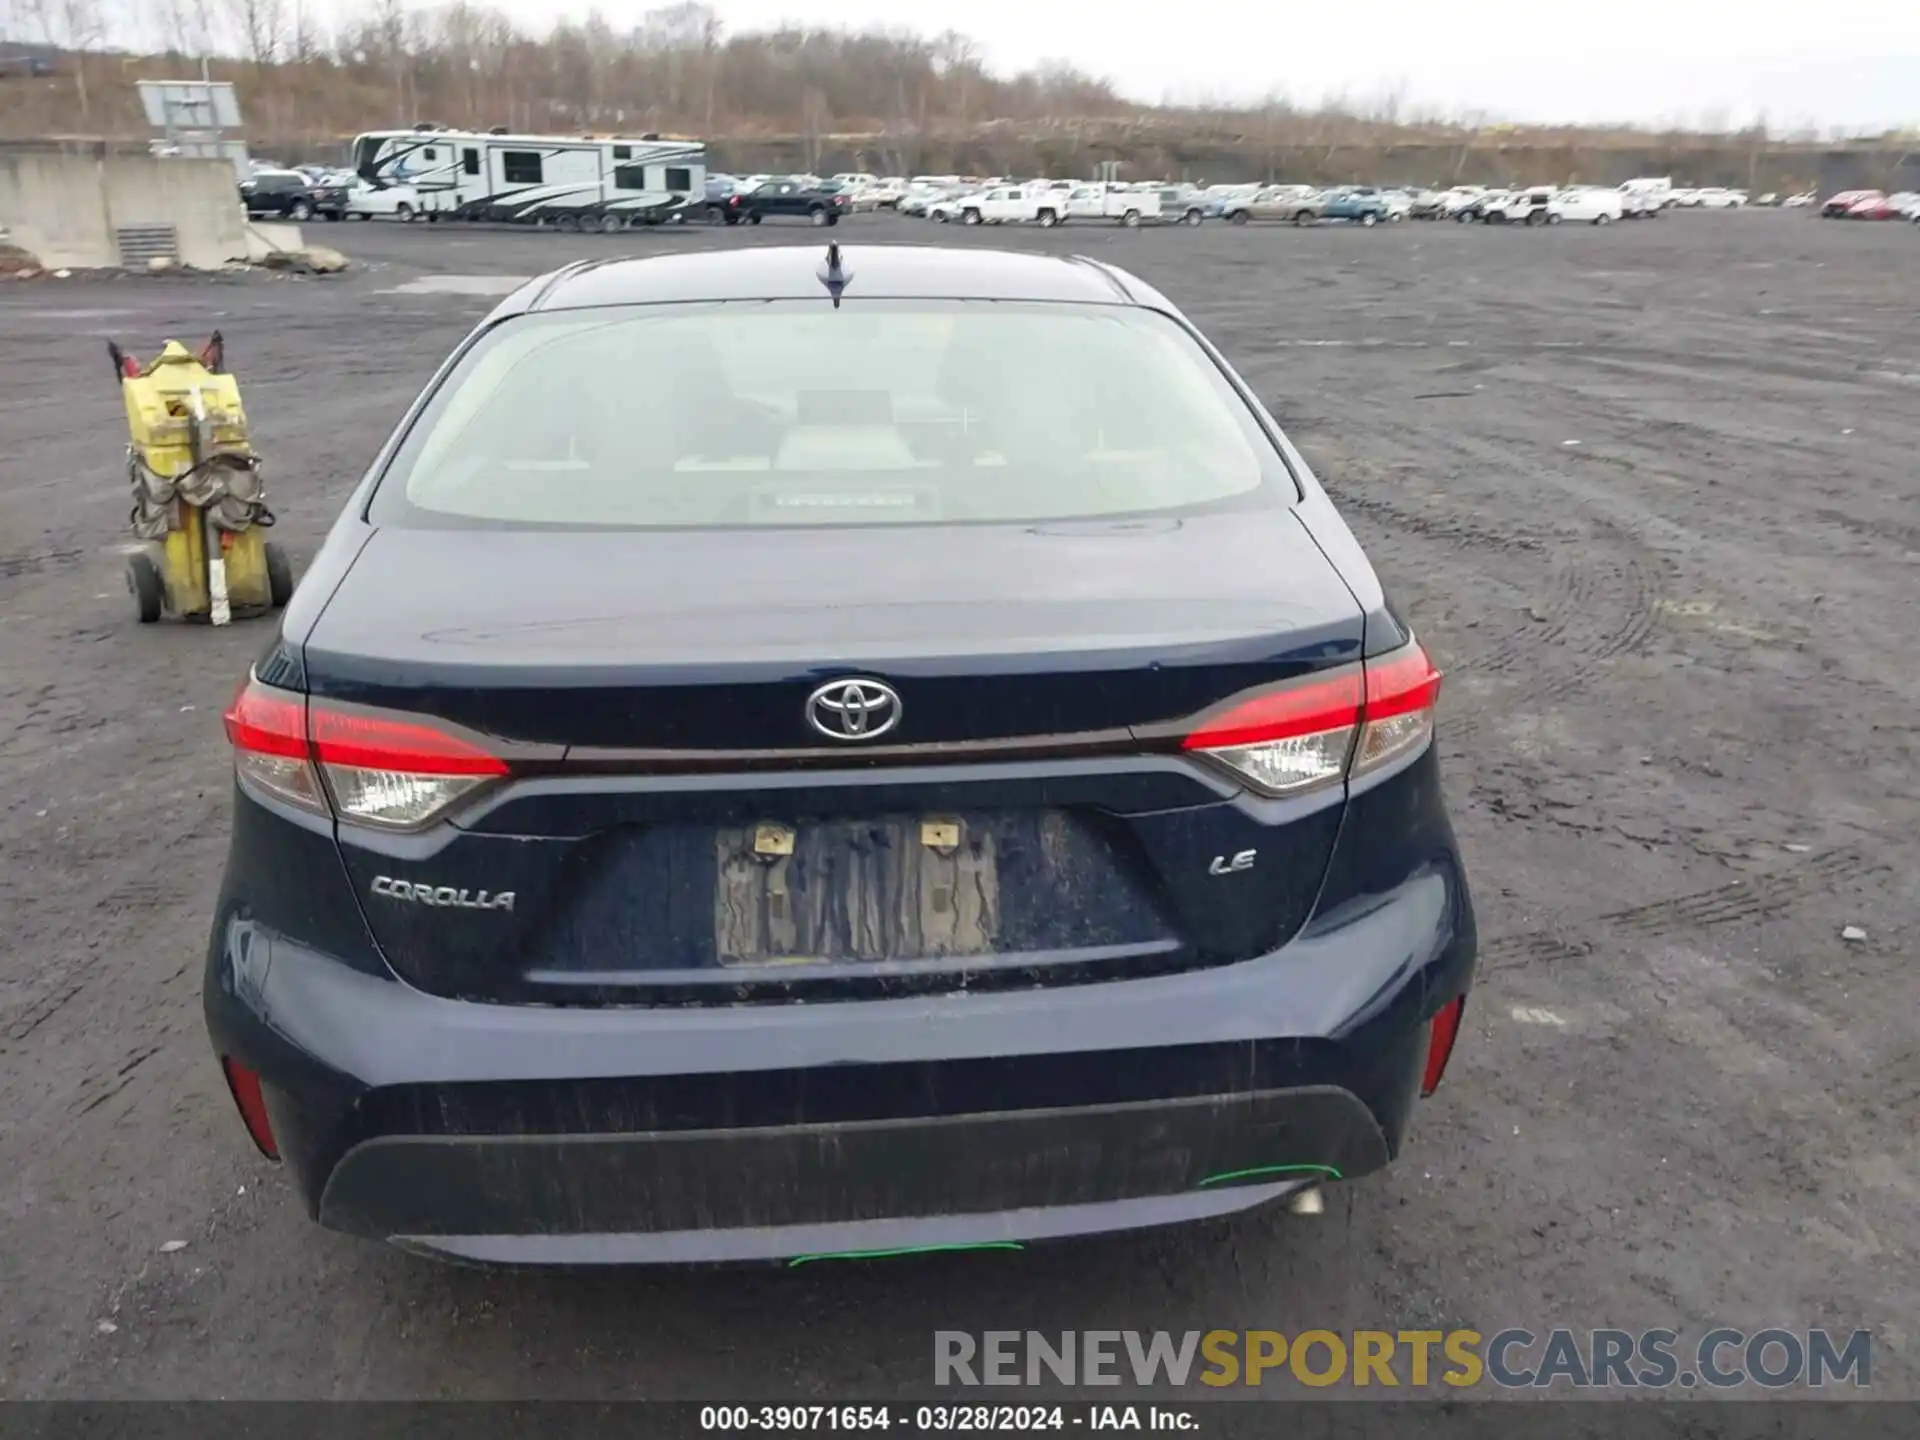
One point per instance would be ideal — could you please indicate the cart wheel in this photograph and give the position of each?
(149, 593)
(279, 576)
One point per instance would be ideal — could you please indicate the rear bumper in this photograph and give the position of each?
(515, 1134)
(771, 1191)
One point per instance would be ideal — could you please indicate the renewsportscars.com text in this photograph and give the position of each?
(1509, 1359)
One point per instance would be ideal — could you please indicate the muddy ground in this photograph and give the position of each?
(1649, 493)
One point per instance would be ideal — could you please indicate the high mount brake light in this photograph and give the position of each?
(1330, 726)
(388, 771)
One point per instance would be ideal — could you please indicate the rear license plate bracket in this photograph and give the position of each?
(860, 891)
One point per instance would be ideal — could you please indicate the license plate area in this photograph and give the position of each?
(903, 887)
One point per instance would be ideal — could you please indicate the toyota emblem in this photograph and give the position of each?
(853, 709)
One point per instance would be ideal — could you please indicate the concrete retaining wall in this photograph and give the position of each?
(66, 206)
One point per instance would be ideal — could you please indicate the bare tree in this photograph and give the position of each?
(780, 97)
(686, 37)
(814, 119)
(189, 27)
(259, 26)
(305, 42)
(75, 25)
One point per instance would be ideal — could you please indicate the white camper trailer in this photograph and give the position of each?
(568, 182)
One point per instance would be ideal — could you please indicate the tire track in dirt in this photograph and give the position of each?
(1593, 602)
(1753, 897)
(1599, 599)
(115, 921)
(19, 564)
(1442, 529)
(1906, 537)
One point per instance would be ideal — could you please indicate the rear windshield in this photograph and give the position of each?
(791, 413)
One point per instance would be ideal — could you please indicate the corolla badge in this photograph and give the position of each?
(452, 897)
(853, 709)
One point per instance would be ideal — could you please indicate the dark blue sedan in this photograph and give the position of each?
(797, 751)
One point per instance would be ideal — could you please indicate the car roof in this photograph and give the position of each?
(876, 272)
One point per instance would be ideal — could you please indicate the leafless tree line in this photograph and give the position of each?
(468, 64)
(894, 98)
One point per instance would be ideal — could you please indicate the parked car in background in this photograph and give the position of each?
(286, 194)
(1270, 202)
(796, 196)
(1363, 205)
(1874, 207)
(1843, 201)
(1220, 196)
(1715, 197)
(1399, 203)
(1586, 204)
(1640, 200)
(1000, 205)
(1804, 200)
(922, 194)
(719, 189)
(1478, 207)
(331, 193)
(1425, 204)
(1907, 202)
(1532, 206)
(1462, 202)
(367, 201)
(1120, 203)
(1181, 204)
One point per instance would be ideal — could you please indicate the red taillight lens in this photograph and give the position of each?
(1443, 1030)
(1402, 690)
(1321, 703)
(268, 731)
(245, 1086)
(1288, 739)
(380, 770)
(369, 742)
(1303, 734)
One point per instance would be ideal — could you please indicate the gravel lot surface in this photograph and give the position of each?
(1649, 493)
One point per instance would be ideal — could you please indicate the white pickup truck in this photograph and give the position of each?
(1002, 205)
(1113, 202)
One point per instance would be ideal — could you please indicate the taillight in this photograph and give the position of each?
(1441, 1033)
(1402, 690)
(1329, 726)
(1291, 738)
(268, 731)
(245, 1087)
(378, 769)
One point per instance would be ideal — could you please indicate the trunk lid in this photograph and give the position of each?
(690, 834)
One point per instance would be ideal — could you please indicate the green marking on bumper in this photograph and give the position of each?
(1221, 1179)
(906, 1250)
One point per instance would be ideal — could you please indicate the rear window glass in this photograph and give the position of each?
(791, 413)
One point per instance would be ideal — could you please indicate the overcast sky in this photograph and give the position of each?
(1834, 63)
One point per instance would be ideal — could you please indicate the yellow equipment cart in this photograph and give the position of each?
(199, 501)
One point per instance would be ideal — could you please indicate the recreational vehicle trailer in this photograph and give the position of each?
(571, 183)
